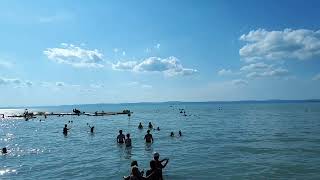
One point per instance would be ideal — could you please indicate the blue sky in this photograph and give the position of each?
(70, 52)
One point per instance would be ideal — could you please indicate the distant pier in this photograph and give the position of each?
(28, 115)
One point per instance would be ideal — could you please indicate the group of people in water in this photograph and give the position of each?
(154, 173)
(156, 165)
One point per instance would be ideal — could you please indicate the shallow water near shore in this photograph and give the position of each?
(220, 141)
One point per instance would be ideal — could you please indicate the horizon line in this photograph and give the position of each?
(155, 102)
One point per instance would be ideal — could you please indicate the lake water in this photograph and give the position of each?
(220, 141)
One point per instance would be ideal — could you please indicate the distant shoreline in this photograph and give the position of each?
(175, 102)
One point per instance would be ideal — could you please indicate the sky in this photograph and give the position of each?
(80, 52)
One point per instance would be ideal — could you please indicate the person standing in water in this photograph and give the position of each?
(65, 130)
(180, 133)
(150, 125)
(91, 129)
(121, 137)
(140, 126)
(128, 141)
(171, 134)
(154, 173)
(4, 150)
(148, 137)
(158, 162)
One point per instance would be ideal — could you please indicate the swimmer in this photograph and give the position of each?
(158, 128)
(171, 134)
(140, 126)
(180, 134)
(121, 137)
(150, 125)
(148, 137)
(65, 129)
(128, 141)
(4, 150)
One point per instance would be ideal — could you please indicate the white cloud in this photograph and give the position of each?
(96, 86)
(15, 82)
(170, 66)
(28, 83)
(75, 56)
(239, 82)
(316, 77)
(224, 72)
(128, 65)
(123, 53)
(138, 84)
(7, 81)
(256, 67)
(278, 72)
(280, 45)
(60, 84)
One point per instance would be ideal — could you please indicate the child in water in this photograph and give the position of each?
(140, 126)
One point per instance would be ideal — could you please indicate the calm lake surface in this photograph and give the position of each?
(220, 141)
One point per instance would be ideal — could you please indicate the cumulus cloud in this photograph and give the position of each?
(239, 82)
(15, 82)
(256, 67)
(170, 66)
(224, 72)
(316, 77)
(278, 72)
(124, 66)
(280, 45)
(75, 56)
